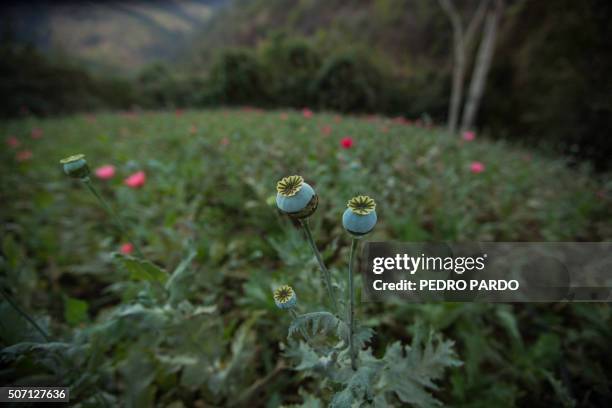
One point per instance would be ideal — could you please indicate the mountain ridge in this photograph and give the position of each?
(109, 36)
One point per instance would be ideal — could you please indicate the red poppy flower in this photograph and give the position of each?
(136, 180)
(346, 142)
(307, 113)
(477, 167)
(127, 248)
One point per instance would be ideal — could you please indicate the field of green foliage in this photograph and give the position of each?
(197, 324)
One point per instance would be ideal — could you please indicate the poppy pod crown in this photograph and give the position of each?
(289, 186)
(361, 205)
(284, 297)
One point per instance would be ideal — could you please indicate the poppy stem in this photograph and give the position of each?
(120, 225)
(324, 270)
(110, 211)
(25, 315)
(351, 311)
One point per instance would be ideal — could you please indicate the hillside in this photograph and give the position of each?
(120, 36)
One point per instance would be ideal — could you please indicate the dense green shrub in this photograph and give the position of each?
(349, 82)
(425, 93)
(236, 78)
(159, 87)
(32, 83)
(290, 67)
(155, 86)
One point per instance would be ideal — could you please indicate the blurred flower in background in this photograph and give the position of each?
(127, 248)
(37, 133)
(346, 142)
(307, 113)
(24, 155)
(477, 167)
(105, 172)
(469, 135)
(12, 141)
(136, 180)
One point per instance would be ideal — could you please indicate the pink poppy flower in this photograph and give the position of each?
(136, 180)
(225, 141)
(307, 113)
(37, 133)
(469, 135)
(105, 172)
(23, 155)
(477, 167)
(179, 112)
(12, 141)
(127, 248)
(346, 142)
(326, 130)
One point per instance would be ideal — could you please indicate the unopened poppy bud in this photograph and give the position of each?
(76, 166)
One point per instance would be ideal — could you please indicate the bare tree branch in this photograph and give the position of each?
(453, 15)
(482, 65)
(475, 21)
(461, 48)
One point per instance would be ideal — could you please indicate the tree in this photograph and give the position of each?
(482, 65)
(462, 41)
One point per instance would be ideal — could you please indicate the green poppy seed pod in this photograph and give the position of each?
(296, 198)
(360, 216)
(76, 166)
(285, 297)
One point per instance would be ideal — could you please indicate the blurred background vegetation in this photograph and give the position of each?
(548, 85)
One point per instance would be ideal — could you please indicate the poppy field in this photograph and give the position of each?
(164, 287)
